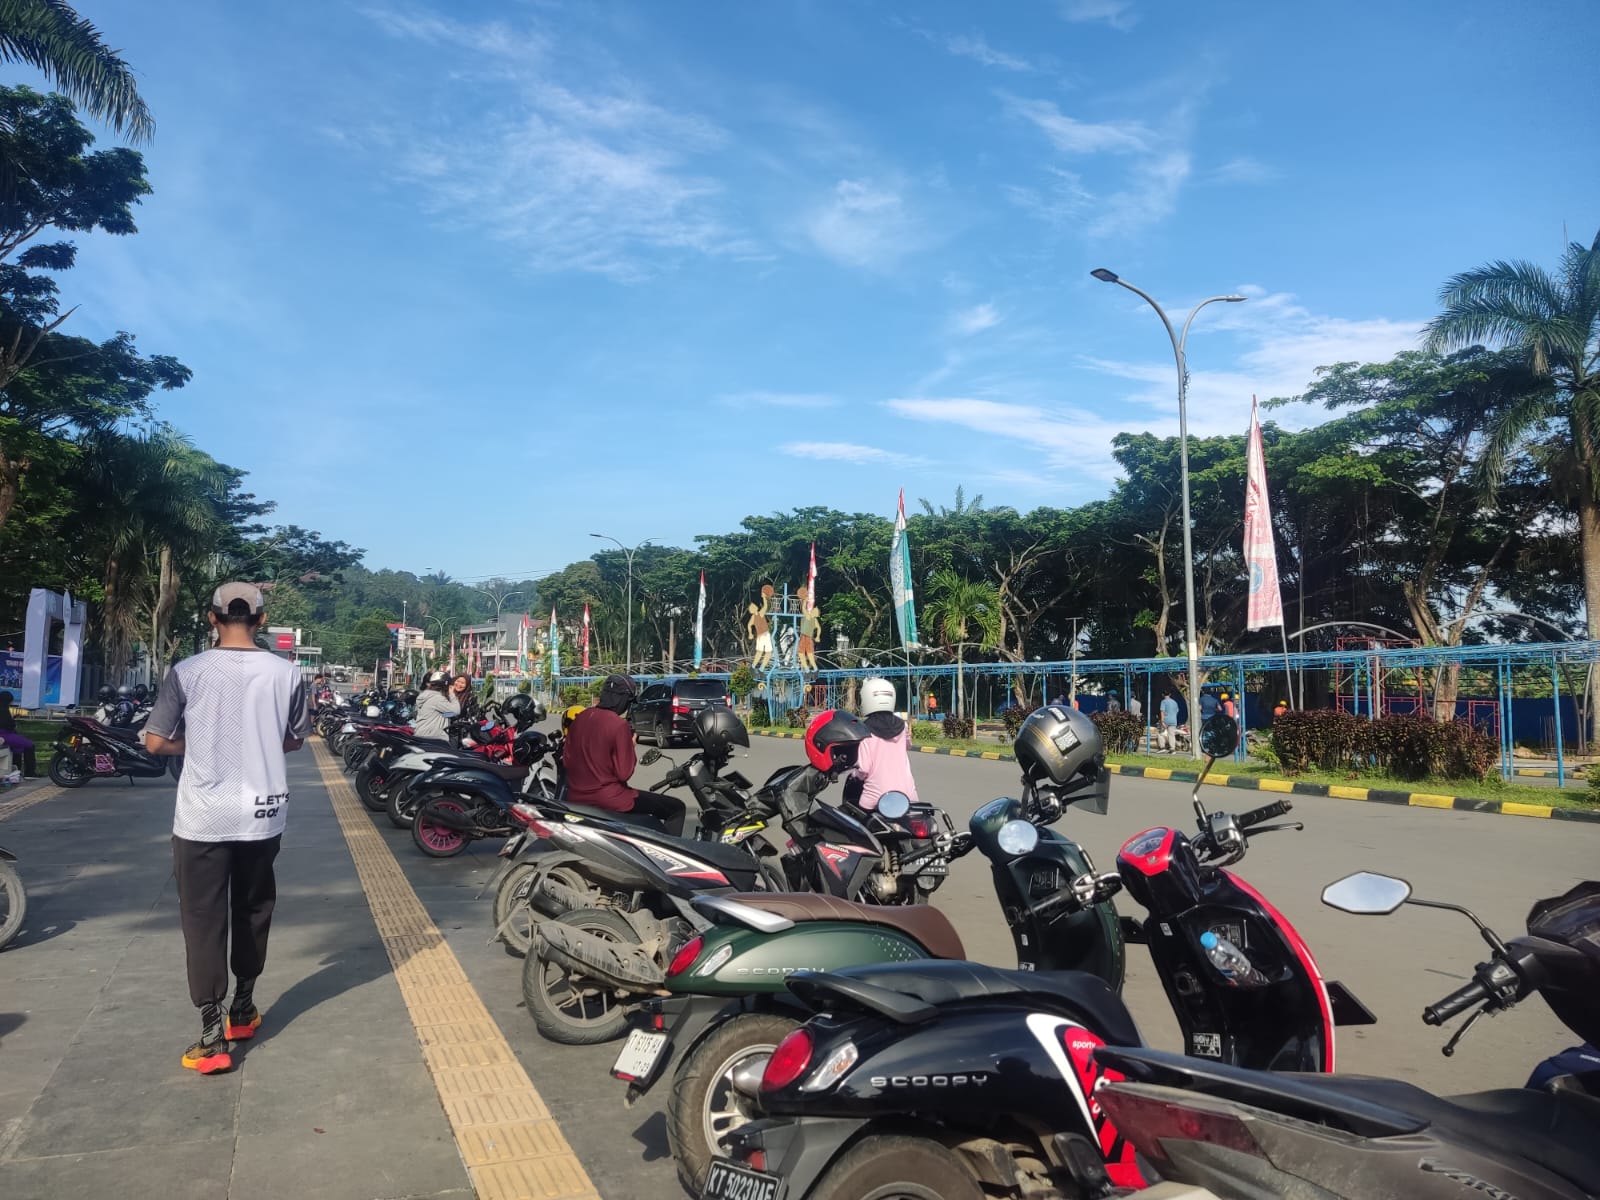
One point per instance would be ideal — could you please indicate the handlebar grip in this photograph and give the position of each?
(1267, 812)
(1457, 1001)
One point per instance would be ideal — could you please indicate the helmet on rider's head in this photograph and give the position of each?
(877, 695)
(720, 731)
(833, 739)
(617, 693)
(439, 681)
(1059, 747)
(106, 692)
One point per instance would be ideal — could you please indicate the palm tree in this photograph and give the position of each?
(1555, 321)
(962, 614)
(50, 36)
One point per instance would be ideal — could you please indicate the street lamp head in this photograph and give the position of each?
(1236, 299)
(1103, 275)
(598, 535)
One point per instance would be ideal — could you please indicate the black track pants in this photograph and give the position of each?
(223, 886)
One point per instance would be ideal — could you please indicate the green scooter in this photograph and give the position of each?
(728, 1008)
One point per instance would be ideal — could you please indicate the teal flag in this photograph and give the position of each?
(905, 601)
(555, 645)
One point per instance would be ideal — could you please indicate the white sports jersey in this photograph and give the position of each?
(234, 708)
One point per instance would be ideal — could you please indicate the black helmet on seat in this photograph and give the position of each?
(106, 692)
(1059, 747)
(720, 731)
(833, 739)
(523, 710)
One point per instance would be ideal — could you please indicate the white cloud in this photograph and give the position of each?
(1119, 14)
(973, 46)
(780, 399)
(1150, 196)
(1243, 169)
(1065, 436)
(1072, 136)
(848, 452)
(975, 319)
(598, 179)
(863, 224)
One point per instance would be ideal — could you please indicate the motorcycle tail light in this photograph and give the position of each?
(1148, 1122)
(756, 1160)
(920, 828)
(788, 1062)
(832, 1069)
(529, 816)
(684, 958)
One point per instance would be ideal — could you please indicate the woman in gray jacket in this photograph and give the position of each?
(435, 708)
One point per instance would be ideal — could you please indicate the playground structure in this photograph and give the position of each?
(1363, 679)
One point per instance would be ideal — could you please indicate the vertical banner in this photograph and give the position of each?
(555, 646)
(811, 578)
(1260, 554)
(585, 637)
(905, 601)
(700, 622)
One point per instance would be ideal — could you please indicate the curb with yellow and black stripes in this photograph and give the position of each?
(1254, 783)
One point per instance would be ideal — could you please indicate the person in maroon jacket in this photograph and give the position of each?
(599, 760)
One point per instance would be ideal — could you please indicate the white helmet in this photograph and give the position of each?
(877, 695)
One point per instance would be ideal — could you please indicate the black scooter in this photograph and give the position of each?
(89, 750)
(948, 1076)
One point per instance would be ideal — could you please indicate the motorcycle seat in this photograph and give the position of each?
(122, 733)
(1517, 1123)
(1076, 994)
(926, 925)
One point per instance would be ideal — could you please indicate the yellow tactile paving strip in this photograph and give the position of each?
(10, 808)
(513, 1148)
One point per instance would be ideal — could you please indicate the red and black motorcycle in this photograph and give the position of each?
(954, 1081)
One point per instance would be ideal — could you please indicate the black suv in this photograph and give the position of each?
(665, 712)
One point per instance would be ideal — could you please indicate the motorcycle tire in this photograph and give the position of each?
(68, 772)
(401, 805)
(517, 936)
(583, 1016)
(703, 1107)
(353, 754)
(175, 766)
(437, 840)
(15, 901)
(907, 1168)
(374, 795)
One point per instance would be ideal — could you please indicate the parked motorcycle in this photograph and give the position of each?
(455, 808)
(952, 1080)
(13, 898)
(1245, 1134)
(729, 1005)
(89, 750)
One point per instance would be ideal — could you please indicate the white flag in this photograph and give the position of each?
(1260, 554)
(700, 622)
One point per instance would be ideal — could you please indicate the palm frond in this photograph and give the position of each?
(50, 36)
(1510, 432)
(1508, 303)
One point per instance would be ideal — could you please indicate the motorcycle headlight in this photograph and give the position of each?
(1017, 838)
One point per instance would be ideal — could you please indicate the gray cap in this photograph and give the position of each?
(229, 592)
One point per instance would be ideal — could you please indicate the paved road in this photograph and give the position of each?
(99, 976)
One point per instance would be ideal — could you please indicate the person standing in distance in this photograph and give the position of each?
(232, 712)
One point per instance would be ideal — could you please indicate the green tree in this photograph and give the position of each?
(963, 613)
(51, 37)
(1552, 321)
(369, 639)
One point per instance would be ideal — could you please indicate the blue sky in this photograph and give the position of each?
(461, 282)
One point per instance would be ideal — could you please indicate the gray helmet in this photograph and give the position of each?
(1059, 747)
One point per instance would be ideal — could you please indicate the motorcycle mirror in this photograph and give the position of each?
(1219, 736)
(894, 805)
(1366, 893)
(651, 756)
(1017, 838)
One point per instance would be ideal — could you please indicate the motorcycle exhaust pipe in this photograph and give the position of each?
(622, 967)
(450, 819)
(552, 898)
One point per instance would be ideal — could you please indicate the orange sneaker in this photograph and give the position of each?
(241, 1026)
(209, 1058)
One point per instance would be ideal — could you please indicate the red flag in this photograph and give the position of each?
(1260, 554)
(585, 637)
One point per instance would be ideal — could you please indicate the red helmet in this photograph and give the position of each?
(833, 739)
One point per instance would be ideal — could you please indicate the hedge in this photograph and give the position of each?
(1122, 732)
(1402, 746)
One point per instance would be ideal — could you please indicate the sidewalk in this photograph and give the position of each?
(332, 1100)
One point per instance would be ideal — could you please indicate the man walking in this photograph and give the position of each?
(231, 712)
(1169, 722)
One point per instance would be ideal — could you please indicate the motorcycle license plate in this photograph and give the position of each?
(727, 1180)
(513, 844)
(639, 1056)
(931, 869)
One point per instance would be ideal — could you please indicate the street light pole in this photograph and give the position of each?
(499, 633)
(628, 554)
(1179, 352)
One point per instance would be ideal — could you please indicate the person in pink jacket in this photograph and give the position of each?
(884, 762)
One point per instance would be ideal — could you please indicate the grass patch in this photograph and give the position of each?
(41, 733)
(1489, 789)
